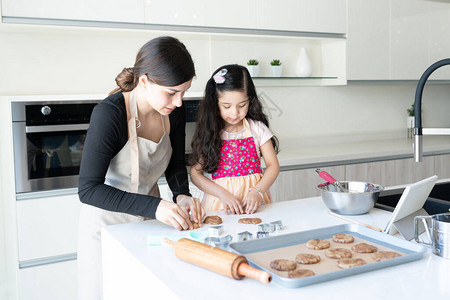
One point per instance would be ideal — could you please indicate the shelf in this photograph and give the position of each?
(296, 81)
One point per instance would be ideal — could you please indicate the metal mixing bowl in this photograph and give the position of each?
(352, 198)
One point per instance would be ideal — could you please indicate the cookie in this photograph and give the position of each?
(317, 244)
(250, 221)
(283, 265)
(212, 220)
(338, 253)
(300, 273)
(383, 255)
(306, 259)
(343, 238)
(364, 248)
(195, 225)
(346, 263)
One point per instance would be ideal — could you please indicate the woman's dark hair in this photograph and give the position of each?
(206, 142)
(165, 61)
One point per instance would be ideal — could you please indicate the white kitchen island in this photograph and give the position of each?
(134, 270)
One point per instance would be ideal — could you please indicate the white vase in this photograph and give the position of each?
(253, 70)
(303, 66)
(276, 71)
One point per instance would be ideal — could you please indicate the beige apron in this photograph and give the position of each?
(143, 161)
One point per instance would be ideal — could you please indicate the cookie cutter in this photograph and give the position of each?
(245, 236)
(219, 242)
(266, 227)
(262, 234)
(215, 231)
(278, 225)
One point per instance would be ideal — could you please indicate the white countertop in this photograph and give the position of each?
(134, 270)
(296, 153)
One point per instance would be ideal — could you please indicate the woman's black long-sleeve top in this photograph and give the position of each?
(106, 136)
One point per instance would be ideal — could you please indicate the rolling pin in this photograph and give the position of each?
(215, 259)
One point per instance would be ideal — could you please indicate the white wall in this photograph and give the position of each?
(67, 60)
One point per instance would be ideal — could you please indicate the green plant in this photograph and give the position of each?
(253, 62)
(410, 111)
(275, 62)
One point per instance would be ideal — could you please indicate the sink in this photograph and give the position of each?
(437, 202)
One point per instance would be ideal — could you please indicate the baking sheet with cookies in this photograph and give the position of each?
(260, 253)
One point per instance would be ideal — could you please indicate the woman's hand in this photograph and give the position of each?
(193, 205)
(231, 203)
(172, 214)
(252, 202)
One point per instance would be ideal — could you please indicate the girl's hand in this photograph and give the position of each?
(172, 214)
(193, 205)
(252, 202)
(231, 203)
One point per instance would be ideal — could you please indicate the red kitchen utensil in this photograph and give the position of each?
(331, 180)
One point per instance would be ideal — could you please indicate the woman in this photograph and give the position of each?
(136, 134)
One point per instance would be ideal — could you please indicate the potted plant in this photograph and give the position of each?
(410, 120)
(253, 67)
(275, 68)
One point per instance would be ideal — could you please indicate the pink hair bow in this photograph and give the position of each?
(219, 77)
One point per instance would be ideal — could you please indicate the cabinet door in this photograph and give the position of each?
(409, 39)
(230, 14)
(53, 281)
(303, 15)
(438, 33)
(299, 184)
(442, 166)
(47, 227)
(98, 10)
(368, 40)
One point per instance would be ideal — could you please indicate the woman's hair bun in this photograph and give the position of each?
(125, 80)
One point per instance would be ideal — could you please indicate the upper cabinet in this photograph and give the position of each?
(131, 11)
(396, 39)
(318, 16)
(328, 16)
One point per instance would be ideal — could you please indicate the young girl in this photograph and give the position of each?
(232, 133)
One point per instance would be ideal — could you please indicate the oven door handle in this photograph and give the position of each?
(53, 128)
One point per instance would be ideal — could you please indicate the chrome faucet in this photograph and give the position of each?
(418, 130)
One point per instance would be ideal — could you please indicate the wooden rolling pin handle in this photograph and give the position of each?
(374, 228)
(245, 270)
(167, 242)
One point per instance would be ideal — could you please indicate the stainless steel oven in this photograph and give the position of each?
(48, 141)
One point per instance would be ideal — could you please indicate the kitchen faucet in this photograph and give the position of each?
(418, 130)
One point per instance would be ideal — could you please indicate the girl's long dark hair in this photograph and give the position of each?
(206, 142)
(165, 60)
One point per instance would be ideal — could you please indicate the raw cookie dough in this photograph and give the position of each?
(283, 265)
(346, 263)
(383, 255)
(338, 253)
(364, 248)
(250, 221)
(300, 273)
(212, 220)
(343, 238)
(317, 244)
(306, 259)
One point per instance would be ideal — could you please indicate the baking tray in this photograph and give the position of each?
(410, 251)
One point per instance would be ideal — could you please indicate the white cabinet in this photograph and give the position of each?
(396, 39)
(329, 16)
(47, 227)
(98, 10)
(368, 39)
(229, 14)
(54, 281)
(409, 38)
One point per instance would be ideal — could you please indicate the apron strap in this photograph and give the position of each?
(134, 151)
(247, 128)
